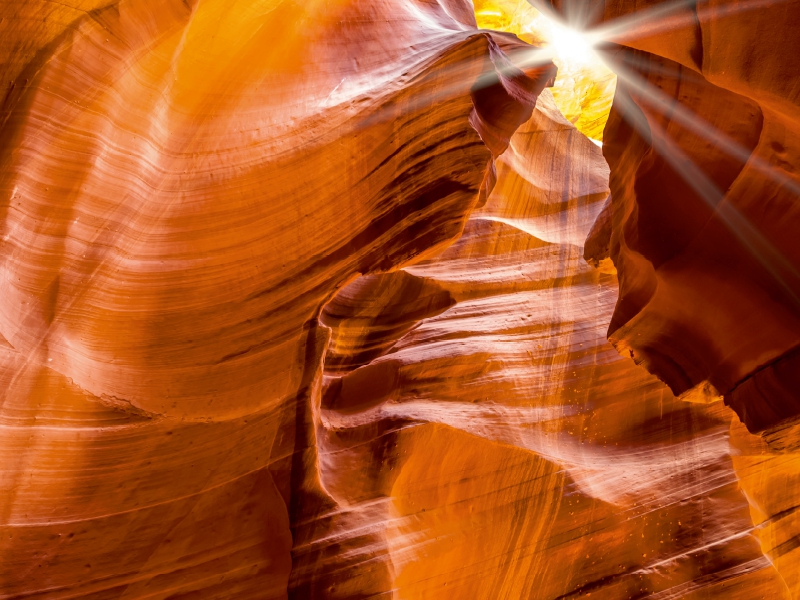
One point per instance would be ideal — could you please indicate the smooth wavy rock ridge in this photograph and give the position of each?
(329, 300)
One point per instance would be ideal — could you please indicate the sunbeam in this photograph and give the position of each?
(577, 93)
(571, 45)
(773, 261)
(658, 100)
(584, 87)
(666, 16)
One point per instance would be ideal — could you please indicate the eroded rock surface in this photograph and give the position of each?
(184, 185)
(702, 226)
(503, 448)
(296, 303)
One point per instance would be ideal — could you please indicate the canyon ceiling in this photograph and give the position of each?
(408, 299)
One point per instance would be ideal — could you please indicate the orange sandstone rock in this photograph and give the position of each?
(502, 448)
(184, 185)
(296, 303)
(702, 225)
(702, 163)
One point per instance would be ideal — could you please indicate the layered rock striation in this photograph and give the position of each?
(704, 188)
(502, 448)
(702, 226)
(184, 185)
(298, 302)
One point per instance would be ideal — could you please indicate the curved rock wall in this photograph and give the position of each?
(708, 276)
(295, 304)
(502, 448)
(184, 185)
(701, 142)
(703, 177)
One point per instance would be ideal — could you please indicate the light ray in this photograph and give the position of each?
(773, 261)
(584, 86)
(657, 99)
(664, 17)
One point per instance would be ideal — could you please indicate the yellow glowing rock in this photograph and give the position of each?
(702, 393)
(584, 87)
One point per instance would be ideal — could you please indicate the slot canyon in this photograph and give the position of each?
(400, 299)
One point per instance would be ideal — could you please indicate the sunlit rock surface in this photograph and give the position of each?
(184, 186)
(306, 300)
(705, 245)
(704, 186)
(503, 448)
(704, 238)
(702, 226)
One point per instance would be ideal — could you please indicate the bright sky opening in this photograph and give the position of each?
(584, 87)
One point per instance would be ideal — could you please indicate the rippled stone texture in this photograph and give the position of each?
(702, 226)
(703, 177)
(296, 303)
(503, 448)
(184, 185)
(709, 290)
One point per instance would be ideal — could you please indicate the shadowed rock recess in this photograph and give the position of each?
(328, 299)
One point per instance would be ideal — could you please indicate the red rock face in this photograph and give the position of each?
(184, 186)
(702, 226)
(698, 254)
(295, 304)
(702, 164)
(503, 448)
